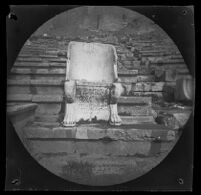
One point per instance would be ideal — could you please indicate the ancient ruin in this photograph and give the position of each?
(99, 106)
(91, 87)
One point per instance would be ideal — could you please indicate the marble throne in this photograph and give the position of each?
(92, 86)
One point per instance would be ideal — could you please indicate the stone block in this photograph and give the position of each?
(81, 133)
(64, 132)
(49, 118)
(51, 124)
(90, 147)
(130, 55)
(182, 118)
(49, 90)
(14, 109)
(144, 71)
(20, 77)
(133, 110)
(47, 98)
(129, 120)
(141, 87)
(168, 120)
(37, 132)
(170, 75)
(52, 147)
(157, 86)
(159, 75)
(128, 72)
(122, 56)
(134, 100)
(19, 97)
(153, 94)
(17, 82)
(102, 132)
(38, 71)
(136, 63)
(169, 93)
(18, 90)
(47, 82)
(128, 79)
(126, 62)
(145, 78)
(30, 59)
(122, 148)
(97, 133)
(48, 108)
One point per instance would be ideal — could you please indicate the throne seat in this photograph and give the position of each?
(91, 86)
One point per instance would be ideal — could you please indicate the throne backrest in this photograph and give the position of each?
(91, 62)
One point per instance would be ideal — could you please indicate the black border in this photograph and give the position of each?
(177, 163)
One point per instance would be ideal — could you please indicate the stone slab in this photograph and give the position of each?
(128, 120)
(18, 82)
(134, 110)
(135, 100)
(14, 89)
(38, 71)
(98, 148)
(137, 132)
(19, 97)
(15, 109)
(170, 75)
(148, 86)
(49, 108)
(182, 118)
(49, 118)
(59, 98)
(47, 98)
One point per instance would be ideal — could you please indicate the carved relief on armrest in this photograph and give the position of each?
(70, 91)
(116, 91)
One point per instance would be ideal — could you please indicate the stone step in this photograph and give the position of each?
(158, 49)
(39, 59)
(168, 66)
(148, 86)
(52, 65)
(41, 64)
(51, 58)
(129, 120)
(59, 73)
(53, 86)
(174, 61)
(54, 104)
(47, 120)
(119, 148)
(134, 110)
(60, 78)
(36, 89)
(22, 57)
(56, 87)
(176, 56)
(59, 99)
(159, 54)
(58, 68)
(34, 52)
(100, 131)
(152, 94)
